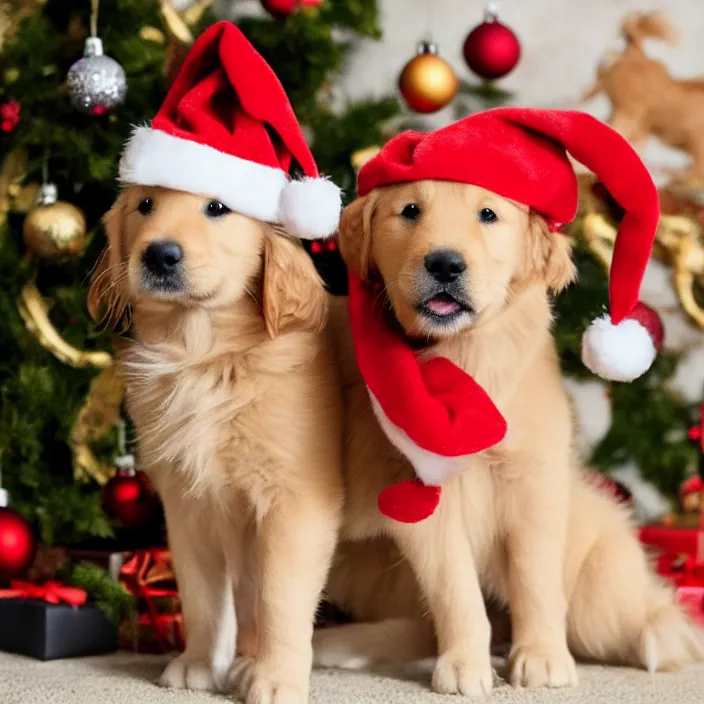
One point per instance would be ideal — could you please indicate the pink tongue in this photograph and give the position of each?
(442, 307)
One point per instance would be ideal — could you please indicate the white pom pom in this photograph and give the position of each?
(617, 352)
(310, 208)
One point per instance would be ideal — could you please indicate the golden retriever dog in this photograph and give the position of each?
(521, 526)
(235, 398)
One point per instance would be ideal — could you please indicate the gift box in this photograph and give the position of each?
(680, 561)
(36, 627)
(148, 575)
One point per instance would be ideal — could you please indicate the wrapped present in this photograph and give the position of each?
(50, 621)
(148, 575)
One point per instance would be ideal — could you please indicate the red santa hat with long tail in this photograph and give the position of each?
(521, 154)
(227, 130)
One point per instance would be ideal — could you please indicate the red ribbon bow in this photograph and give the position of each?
(51, 592)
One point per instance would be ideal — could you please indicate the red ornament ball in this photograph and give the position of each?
(650, 319)
(283, 8)
(491, 50)
(9, 115)
(17, 544)
(129, 499)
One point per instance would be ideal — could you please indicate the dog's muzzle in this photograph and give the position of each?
(162, 267)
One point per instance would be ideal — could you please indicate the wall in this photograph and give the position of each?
(562, 42)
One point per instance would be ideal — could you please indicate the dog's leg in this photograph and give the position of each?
(205, 590)
(296, 542)
(535, 546)
(442, 560)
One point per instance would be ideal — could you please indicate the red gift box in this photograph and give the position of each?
(679, 561)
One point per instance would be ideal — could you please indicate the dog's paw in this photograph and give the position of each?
(182, 673)
(460, 673)
(541, 666)
(254, 683)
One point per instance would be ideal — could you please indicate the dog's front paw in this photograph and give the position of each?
(462, 673)
(541, 666)
(256, 683)
(183, 673)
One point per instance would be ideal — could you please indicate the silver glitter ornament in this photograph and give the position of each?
(97, 83)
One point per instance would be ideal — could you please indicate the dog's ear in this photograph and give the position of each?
(355, 234)
(293, 294)
(107, 294)
(548, 256)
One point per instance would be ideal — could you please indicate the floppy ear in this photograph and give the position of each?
(355, 233)
(107, 294)
(292, 292)
(549, 256)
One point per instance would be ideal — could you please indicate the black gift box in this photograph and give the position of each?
(51, 631)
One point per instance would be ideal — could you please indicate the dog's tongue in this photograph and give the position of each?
(442, 306)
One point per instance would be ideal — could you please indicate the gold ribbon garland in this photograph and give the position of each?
(679, 242)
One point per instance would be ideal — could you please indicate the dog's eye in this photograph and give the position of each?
(487, 216)
(410, 211)
(146, 205)
(215, 209)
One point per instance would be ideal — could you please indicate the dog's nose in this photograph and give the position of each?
(445, 265)
(162, 258)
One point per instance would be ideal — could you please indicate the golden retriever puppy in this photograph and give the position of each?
(234, 395)
(468, 275)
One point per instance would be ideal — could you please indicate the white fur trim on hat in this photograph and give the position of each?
(310, 207)
(431, 469)
(154, 158)
(621, 352)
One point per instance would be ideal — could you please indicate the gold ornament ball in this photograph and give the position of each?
(55, 231)
(427, 82)
(362, 156)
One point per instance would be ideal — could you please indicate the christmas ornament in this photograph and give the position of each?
(9, 115)
(650, 319)
(17, 542)
(362, 156)
(128, 497)
(54, 229)
(96, 82)
(427, 82)
(283, 8)
(491, 49)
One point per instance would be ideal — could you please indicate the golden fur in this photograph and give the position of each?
(235, 398)
(520, 526)
(646, 100)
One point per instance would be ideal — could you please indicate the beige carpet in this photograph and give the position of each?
(127, 678)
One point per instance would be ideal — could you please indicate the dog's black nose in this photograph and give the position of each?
(162, 258)
(445, 265)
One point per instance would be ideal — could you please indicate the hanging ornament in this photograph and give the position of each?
(9, 115)
(17, 542)
(491, 49)
(650, 319)
(362, 156)
(96, 82)
(128, 497)
(54, 229)
(283, 8)
(427, 82)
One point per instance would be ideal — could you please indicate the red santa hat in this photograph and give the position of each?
(521, 153)
(227, 130)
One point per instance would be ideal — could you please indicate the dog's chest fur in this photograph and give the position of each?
(201, 416)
